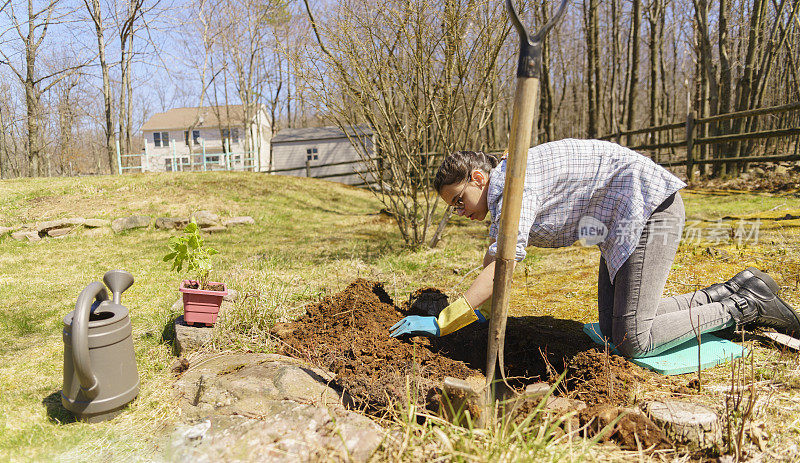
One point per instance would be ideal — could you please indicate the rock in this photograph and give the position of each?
(190, 338)
(206, 219)
(31, 236)
(287, 431)
(44, 227)
(170, 223)
(686, 423)
(564, 405)
(632, 430)
(58, 232)
(96, 223)
(266, 407)
(214, 229)
(558, 407)
(129, 223)
(241, 383)
(234, 221)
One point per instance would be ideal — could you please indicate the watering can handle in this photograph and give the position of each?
(80, 337)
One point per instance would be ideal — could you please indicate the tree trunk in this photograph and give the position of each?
(725, 85)
(95, 13)
(592, 64)
(633, 81)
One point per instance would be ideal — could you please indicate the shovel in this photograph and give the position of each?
(523, 122)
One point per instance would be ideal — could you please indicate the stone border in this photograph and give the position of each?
(33, 232)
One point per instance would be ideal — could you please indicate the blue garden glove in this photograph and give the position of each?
(416, 325)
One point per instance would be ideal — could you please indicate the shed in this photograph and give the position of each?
(322, 147)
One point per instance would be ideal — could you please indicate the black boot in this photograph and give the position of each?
(720, 291)
(755, 304)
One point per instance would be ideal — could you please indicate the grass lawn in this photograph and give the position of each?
(311, 238)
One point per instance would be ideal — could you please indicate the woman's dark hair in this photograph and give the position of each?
(458, 166)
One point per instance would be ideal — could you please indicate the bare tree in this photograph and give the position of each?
(96, 15)
(418, 74)
(31, 33)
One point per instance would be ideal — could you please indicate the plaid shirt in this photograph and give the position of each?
(568, 180)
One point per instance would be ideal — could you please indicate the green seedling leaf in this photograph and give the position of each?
(189, 250)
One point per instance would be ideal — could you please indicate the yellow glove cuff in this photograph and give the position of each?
(455, 316)
(486, 309)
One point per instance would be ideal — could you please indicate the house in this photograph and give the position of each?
(321, 147)
(178, 139)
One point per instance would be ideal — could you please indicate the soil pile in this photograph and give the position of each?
(597, 378)
(348, 334)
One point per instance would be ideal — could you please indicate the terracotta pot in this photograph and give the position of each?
(201, 306)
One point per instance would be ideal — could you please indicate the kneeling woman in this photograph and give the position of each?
(572, 184)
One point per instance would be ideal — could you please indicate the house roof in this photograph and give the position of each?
(183, 118)
(319, 133)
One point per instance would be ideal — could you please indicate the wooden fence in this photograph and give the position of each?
(694, 135)
(308, 168)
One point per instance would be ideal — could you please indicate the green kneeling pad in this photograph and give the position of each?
(683, 357)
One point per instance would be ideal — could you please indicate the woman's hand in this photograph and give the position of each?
(416, 325)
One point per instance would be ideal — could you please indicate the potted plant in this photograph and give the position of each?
(201, 298)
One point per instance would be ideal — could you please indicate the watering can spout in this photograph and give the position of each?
(117, 281)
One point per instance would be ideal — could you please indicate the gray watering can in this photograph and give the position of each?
(100, 376)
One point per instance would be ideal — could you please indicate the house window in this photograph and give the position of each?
(186, 137)
(157, 139)
(196, 137)
(232, 135)
(311, 154)
(212, 158)
(164, 139)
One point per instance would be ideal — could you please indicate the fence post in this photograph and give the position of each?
(226, 148)
(203, 144)
(308, 168)
(174, 158)
(690, 145)
(119, 160)
(146, 157)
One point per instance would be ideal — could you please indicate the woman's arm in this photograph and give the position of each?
(481, 289)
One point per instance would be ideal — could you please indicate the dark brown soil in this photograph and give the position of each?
(597, 378)
(207, 287)
(348, 333)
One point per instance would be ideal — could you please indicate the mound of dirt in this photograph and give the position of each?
(348, 334)
(597, 378)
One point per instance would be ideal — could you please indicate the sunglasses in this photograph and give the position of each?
(458, 202)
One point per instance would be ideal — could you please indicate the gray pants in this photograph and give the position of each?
(640, 321)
